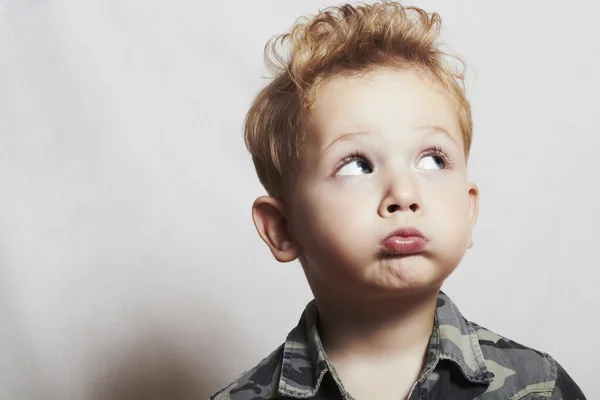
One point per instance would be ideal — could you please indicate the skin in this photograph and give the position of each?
(376, 310)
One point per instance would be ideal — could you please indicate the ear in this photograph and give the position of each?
(268, 214)
(473, 209)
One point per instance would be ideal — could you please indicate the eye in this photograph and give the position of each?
(432, 162)
(434, 159)
(354, 165)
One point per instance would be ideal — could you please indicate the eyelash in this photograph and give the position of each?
(438, 151)
(430, 151)
(354, 156)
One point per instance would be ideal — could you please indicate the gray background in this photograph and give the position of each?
(129, 265)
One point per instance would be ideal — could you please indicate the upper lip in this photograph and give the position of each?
(406, 232)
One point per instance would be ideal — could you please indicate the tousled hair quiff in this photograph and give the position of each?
(348, 39)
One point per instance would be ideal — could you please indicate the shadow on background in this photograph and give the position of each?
(156, 368)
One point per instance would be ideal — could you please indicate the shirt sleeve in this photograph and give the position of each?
(565, 387)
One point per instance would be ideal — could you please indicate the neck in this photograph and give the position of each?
(377, 329)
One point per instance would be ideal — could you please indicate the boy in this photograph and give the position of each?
(361, 142)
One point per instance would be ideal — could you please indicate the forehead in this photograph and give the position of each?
(397, 100)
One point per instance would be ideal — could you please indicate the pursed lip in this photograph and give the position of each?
(407, 240)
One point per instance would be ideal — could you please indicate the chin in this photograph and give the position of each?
(404, 289)
(409, 273)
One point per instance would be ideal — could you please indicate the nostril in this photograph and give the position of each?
(395, 207)
(392, 208)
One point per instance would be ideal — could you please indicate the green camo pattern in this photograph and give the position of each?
(464, 362)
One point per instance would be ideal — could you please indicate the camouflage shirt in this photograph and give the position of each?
(464, 361)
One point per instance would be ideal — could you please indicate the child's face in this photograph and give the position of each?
(384, 152)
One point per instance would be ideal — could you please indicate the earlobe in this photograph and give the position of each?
(270, 221)
(473, 210)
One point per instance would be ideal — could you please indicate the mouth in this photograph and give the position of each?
(404, 241)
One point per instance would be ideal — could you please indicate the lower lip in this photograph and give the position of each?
(400, 245)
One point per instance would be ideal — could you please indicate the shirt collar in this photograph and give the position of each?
(454, 338)
(305, 363)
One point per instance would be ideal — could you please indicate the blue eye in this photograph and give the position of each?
(434, 159)
(355, 165)
(432, 162)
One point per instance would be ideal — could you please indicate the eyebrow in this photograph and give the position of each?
(349, 136)
(438, 129)
(343, 138)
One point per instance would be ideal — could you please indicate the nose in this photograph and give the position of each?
(402, 194)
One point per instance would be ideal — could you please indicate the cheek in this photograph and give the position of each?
(334, 216)
(454, 218)
(338, 213)
(352, 197)
(449, 201)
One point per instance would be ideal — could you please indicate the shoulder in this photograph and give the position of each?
(501, 350)
(259, 382)
(523, 370)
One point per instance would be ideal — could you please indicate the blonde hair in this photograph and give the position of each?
(340, 40)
